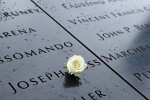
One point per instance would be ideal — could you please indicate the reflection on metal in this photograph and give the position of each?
(34, 48)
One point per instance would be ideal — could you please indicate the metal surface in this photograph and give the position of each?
(34, 48)
(117, 31)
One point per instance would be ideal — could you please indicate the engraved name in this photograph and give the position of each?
(48, 77)
(95, 95)
(13, 33)
(141, 76)
(82, 4)
(31, 53)
(7, 15)
(125, 53)
(96, 18)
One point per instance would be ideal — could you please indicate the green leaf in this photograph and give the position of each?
(65, 64)
(77, 74)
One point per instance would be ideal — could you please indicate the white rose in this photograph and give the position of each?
(76, 65)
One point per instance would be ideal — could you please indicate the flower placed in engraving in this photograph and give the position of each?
(76, 65)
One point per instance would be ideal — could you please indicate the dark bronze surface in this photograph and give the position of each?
(37, 37)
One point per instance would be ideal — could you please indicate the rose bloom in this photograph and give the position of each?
(76, 65)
